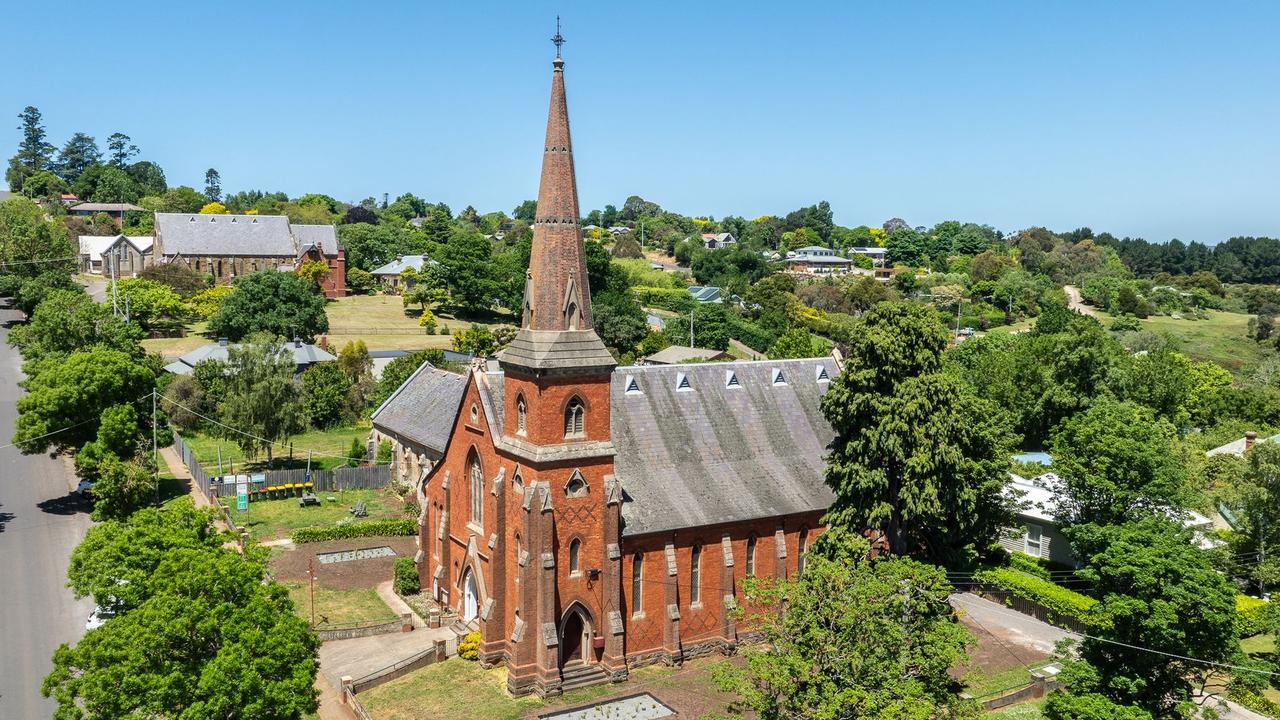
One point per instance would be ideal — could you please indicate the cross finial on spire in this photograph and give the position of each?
(558, 40)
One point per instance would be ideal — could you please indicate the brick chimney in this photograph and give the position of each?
(1249, 439)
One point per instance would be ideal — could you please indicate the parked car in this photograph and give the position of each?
(99, 617)
(85, 488)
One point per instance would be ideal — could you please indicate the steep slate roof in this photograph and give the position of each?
(424, 408)
(715, 454)
(245, 235)
(325, 236)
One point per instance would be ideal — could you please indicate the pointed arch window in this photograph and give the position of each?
(575, 419)
(575, 556)
(476, 475)
(695, 576)
(521, 415)
(804, 547)
(751, 556)
(573, 316)
(637, 581)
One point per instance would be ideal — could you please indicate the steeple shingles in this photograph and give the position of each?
(556, 326)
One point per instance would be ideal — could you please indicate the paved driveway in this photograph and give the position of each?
(40, 523)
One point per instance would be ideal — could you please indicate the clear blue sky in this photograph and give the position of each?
(1152, 119)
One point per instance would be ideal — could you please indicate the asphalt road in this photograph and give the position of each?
(40, 523)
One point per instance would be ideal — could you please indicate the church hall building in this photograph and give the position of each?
(587, 518)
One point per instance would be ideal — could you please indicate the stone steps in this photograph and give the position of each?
(576, 676)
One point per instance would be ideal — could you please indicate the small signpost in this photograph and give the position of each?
(242, 493)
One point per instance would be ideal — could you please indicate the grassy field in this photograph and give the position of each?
(272, 519)
(1222, 338)
(173, 348)
(381, 322)
(460, 689)
(982, 684)
(335, 607)
(329, 449)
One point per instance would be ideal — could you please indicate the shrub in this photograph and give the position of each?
(1250, 616)
(1028, 564)
(363, 528)
(384, 452)
(675, 300)
(406, 577)
(469, 646)
(1059, 601)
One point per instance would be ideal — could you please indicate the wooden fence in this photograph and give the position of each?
(364, 477)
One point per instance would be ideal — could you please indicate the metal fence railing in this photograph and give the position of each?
(364, 477)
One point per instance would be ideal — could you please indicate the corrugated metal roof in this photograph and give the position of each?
(397, 266)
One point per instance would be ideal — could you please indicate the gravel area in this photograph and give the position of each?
(292, 564)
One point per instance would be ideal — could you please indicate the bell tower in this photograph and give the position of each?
(555, 425)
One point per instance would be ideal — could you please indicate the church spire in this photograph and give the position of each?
(557, 299)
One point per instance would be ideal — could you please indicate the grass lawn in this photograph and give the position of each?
(325, 444)
(460, 689)
(271, 519)
(1222, 338)
(982, 684)
(381, 322)
(173, 348)
(1258, 644)
(339, 606)
(1026, 711)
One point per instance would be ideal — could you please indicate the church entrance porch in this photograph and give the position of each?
(575, 638)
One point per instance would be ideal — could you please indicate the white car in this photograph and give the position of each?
(85, 488)
(99, 617)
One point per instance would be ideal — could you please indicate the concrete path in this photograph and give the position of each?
(386, 591)
(41, 522)
(359, 657)
(1014, 628)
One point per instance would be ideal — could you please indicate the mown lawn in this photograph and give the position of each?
(173, 348)
(380, 321)
(335, 607)
(982, 684)
(329, 450)
(1222, 338)
(461, 689)
(272, 519)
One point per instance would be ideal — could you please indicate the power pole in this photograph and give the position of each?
(155, 446)
(691, 327)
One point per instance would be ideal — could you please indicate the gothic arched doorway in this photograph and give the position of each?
(575, 637)
(470, 597)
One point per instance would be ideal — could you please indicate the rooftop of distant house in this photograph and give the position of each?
(304, 354)
(1238, 446)
(677, 354)
(402, 263)
(96, 207)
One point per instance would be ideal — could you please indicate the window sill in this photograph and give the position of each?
(695, 605)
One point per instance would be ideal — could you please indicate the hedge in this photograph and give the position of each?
(1250, 616)
(675, 300)
(364, 528)
(1054, 598)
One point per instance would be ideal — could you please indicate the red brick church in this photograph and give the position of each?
(589, 518)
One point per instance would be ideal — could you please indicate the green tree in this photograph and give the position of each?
(262, 405)
(797, 343)
(859, 639)
(357, 365)
(274, 302)
(212, 640)
(33, 247)
(69, 320)
(149, 177)
(116, 563)
(151, 304)
(177, 276)
(80, 152)
(466, 271)
(44, 185)
(34, 150)
(115, 186)
(526, 211)
(916, 455)
(121, 149)
(619, 321)
(1116, 462)
(123, 488)
(359, 282)
(1162, 594)
(71, 398)
(400, 369)
(117, 439)
(477, 340)
(326, 391)
(213, 185)
(1253, 497)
